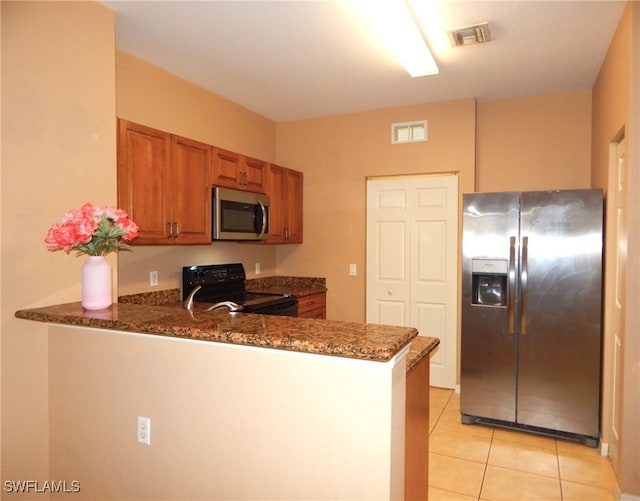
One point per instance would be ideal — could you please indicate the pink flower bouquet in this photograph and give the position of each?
(92, 230)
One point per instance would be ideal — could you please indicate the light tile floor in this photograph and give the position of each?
(482, 463)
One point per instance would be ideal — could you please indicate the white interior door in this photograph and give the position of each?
(617, 195)
(412, 256)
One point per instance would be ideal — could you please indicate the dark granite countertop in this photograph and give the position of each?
(298, 286)
(421, 348)
(326, 337)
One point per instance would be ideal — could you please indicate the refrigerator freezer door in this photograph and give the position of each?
(560, 334)
(489, 263)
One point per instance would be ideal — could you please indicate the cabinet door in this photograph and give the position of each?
(253, 177)
(226, 168)
(313, 306)
(143, 156)
(233, 170)
(190, 191)
(293, 206)
(285, 192)
(276, 191)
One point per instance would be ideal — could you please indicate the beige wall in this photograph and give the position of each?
(58, 151)
(336, 155)
(616, 114)
(151, 96)
(534, 143)
(227, 421)
(611, 93)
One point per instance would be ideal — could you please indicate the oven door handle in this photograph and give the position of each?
(264, 219)
(226, 304)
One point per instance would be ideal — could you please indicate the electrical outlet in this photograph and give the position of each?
(153, 278)
(352, 270)
(258, 268)
(144, 430)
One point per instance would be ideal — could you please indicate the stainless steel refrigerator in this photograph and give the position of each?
(532, 311)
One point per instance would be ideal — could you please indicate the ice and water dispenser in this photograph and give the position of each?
(489, 282)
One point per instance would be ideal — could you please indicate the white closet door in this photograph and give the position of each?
(412, 256)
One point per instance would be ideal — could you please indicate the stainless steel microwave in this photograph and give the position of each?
(239, 215)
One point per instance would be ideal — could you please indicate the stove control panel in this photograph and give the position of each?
(213, 274)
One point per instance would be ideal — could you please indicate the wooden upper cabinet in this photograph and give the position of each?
(143, 158)
(190, 191)
(233, 170)
(255, 173)
(293, 206)
(275, 189)
(285, 193)
(163, 183)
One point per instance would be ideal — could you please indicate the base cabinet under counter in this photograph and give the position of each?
(313, 306)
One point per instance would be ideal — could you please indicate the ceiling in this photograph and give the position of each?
(289, 60)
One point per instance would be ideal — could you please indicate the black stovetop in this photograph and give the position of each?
(226, 282)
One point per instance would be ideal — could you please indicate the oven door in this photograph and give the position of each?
(287, 306)
(239, 215)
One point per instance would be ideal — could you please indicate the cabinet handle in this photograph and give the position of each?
(173, 229)
(310, 303)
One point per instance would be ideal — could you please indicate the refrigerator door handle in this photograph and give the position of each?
(523, 285)
(512, 286)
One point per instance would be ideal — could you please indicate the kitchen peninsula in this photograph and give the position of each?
(241, 406)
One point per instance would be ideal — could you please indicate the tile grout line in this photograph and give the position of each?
(559, 471)
(440, 415)
(486, 464)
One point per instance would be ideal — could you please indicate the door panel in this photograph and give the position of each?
(391, 312)
(560, 337)
(488, 352)
(391, 251)
(617, 198)
(387, 288)
(143, 162)
(190, 192)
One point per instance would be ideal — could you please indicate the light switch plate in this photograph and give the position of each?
(144, 430)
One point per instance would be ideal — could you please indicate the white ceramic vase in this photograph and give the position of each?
(96, 283)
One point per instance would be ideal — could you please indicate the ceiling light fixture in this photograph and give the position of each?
(394, 25)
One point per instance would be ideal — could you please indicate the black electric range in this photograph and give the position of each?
(226, 282)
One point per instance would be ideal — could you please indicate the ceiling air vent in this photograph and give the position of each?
(469, 35)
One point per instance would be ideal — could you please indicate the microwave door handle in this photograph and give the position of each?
(264, 219)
